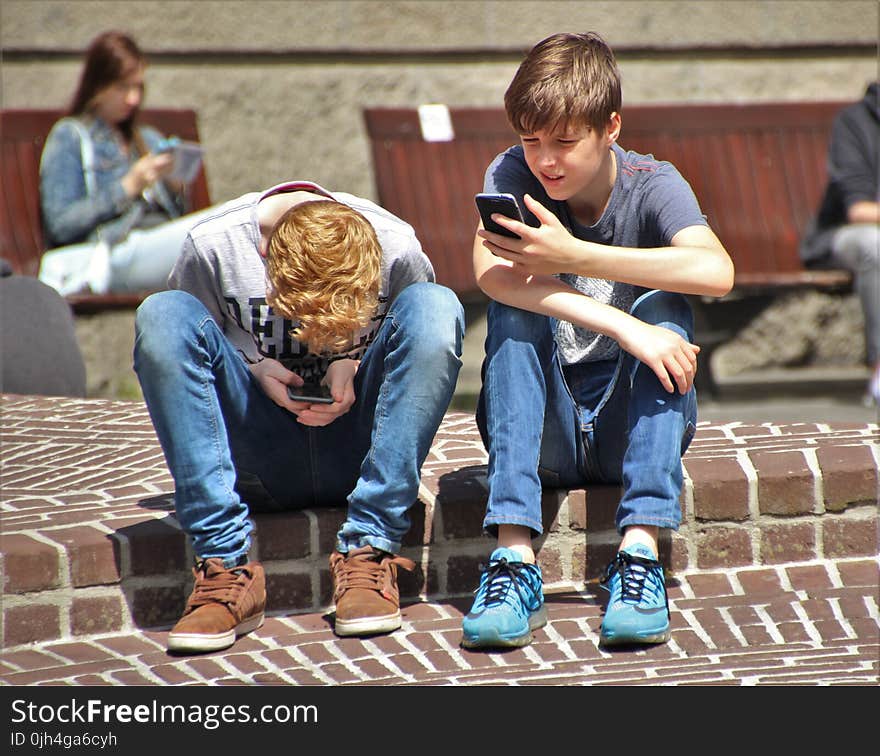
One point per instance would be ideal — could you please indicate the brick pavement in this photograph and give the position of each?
(776, 565)
(798, 624)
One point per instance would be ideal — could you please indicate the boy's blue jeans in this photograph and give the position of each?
(609, 421)
(231, 449)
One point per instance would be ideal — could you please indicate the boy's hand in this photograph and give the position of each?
(547, 249)
(340, 379)
(274, 379)
(672, 358)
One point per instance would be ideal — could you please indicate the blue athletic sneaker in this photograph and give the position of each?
(638, 608)
(509, 604)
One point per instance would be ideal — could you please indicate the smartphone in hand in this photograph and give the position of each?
(312, 393)
(166, 145)
(187, 157)
(501, 203)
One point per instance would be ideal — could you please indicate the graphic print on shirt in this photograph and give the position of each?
(272, 337)
(631, 167)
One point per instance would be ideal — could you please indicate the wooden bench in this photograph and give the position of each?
(23, 133)
(758, 170)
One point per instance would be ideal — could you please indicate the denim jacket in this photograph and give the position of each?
(70, 214)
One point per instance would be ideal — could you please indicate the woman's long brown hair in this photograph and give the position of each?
(111, 56)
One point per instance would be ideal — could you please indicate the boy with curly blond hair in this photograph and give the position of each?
(277, 289)
(589, 366)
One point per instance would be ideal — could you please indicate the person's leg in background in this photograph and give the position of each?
(143, 260)
(857, 249)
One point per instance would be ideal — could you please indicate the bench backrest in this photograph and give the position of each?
(22, 135)
(758, 171)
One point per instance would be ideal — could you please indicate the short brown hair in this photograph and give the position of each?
(564, 79)
(324, 265)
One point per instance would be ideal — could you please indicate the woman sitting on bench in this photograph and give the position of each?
(112, 214)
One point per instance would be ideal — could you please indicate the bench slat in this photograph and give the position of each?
(758, 171)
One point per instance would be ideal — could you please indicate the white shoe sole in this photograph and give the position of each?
(367, 625)
(215, 642)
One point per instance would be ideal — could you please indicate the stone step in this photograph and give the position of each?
(90, 543)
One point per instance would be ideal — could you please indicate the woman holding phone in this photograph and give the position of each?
(113, 220)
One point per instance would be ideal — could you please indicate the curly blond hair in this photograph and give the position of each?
(324, 265)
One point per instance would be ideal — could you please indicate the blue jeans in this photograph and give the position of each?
(561, 427)
(231, 449)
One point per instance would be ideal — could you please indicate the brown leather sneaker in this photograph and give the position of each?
(224, 604)
(365, 591)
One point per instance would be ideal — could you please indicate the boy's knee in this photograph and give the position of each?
(504, 322)
(432, 297)
(665, 308)
(434, 310)
(163, 317)
(156, 307)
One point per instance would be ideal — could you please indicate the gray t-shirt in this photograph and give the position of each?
(649, 204)
(220, 264)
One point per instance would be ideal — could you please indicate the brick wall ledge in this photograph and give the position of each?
(90, 544)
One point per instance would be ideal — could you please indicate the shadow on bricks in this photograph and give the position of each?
(155, 568)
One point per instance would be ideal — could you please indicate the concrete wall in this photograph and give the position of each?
(280, 86)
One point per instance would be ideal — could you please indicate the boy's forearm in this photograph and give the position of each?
(694, 262)
(581, 310)
(549, 296)
(683, 269)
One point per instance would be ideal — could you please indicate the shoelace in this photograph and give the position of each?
(497, 588)
(367, 571)
(219, 588)
(634, 572)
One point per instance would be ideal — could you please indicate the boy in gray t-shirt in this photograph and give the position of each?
(589, 368)
(302, 357)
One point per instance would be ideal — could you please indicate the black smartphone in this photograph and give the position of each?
(503, 204)
(313, 393)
